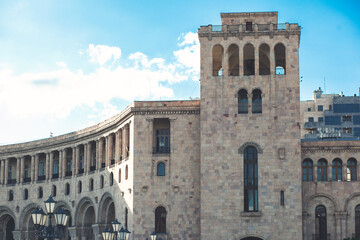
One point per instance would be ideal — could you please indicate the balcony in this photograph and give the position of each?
(92, 168)
(112, 161)
(55, 176)
(41, 178)
(81, 171)
(161, 150)
(11, 181)
(314, 125)
(68, 173)
(321, 236)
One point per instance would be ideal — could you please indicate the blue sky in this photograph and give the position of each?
(66, 65)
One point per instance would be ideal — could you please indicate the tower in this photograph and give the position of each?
(250, 136)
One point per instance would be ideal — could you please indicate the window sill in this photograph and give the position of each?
(251, 214)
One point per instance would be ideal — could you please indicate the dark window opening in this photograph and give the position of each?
(249, 26)
(101, 181)
(53, 192)
(111, 179)
(264, 59)
(233, 53)
(322, 170)
(67, 189)
(126, 218)
(309, 109)
(79, 187)
(351, 174)
(282, 198)
(311, 119)
(307, 167)
(320, 119)
(11, 195)
(320, 223)
(40, 192)
(242, 101)
(250, 180)
(346, 118)
(91, 184)
(256, 101)
(26, 194)
(320, 108)
(160, 220)
(280, 59)
(249, 60)
(357, 222)
(217, 55)
(161, 136)
(347, 130)
(337, 170)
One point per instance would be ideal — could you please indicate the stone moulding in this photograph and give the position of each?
(247, 144)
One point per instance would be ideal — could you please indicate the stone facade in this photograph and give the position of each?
(228, 166)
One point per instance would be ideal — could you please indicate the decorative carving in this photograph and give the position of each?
(247, 144)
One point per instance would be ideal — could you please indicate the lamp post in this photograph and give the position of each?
(40, 218)
(116, 233)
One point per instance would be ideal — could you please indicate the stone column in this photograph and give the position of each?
(1, 172)
(36, 167)
(60, 163)
(32, 168)
(100, 152)
(117, 148)
(110, 148)
(126, 141)
(17, 235)
(74, 233)
(6, 170)
(329, 172)
(77, 159)
(88, 157)
(18, 167)
(51, 170)
(47, 165)
(256, 63)
(121, 144)
(22, 169)
(344, 175)
(315, 173)
(64, 162)
(107, 151)
(98, 165)
(85, 157)
(75, 163)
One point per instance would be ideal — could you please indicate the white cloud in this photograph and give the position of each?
(54, 94)
(102, 54)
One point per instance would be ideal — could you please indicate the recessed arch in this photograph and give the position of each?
(247, 144)
(319, 195)
(82, 206)
(280, 59)
(249, 59)
(106, 210)
(233, 53)
(243, 101)
(264, 59)
(217, 59)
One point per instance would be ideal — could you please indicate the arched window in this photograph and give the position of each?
(264, 59)
(322, 170)
(233, 53)
(280, 59)
(320, 223)
(336, 170)
(217, 52)
(256, 101)
(307, 167)
(91, 184)
(53, 191)
(250, 179)
(160, 220)
(357, 222)
(126, 172)
(119, 175)
(40, 192)
(111, 179)
(351, 170)
(79, 187)
(242, 101)
(67, 189)
(160, 169)
(101, 181)
(11, 195)
(249, 60)
(26, 194)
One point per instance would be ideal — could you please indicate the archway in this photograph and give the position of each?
(106, 209)
(7, 225)
(85, 218)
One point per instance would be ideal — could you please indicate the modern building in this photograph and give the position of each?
(229, 166)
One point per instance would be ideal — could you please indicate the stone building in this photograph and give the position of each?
(230, 166)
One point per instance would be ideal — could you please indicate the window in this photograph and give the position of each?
(264, 59)
(320, 223)
(346, 118)
(91, 184)
(126, 172)
(67, 189)
(320, 108)
(356, 120)
(311, 119)
(307, 170)
(250, 180)
(41, 171)
(160, 220)
(249, 60)
(111, 179)
(40, 192)
(309, 109)
(256, 101)
(79, 187)
(249, 26)
(233, 53)
(336, 170)
(53, 191)
(11, 195)
(101, 181)
(357, 222)
(347, 108)
(351, 170)
(56, 169)
(242, 101)
(26, 194)
(282, 198)
(119, 175)
(322, 170)
(320, 119)
(161, 136)
(160, 169)
(217, 54)
(347, 130)
(280, 59)
(332, 120)
(330, 107)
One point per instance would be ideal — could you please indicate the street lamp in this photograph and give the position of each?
(118, 232)
(153, 236)
(40, 218)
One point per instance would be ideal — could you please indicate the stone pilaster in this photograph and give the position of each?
(22, 169)
(32, 168)
(6, 171)
(2, 167)
(47, 165)
(77, 159)
(51, 170)
(60, 163)
(88, 157)
(101, 146)
(107, 154)
(98, 161)
(18, 167)
(64, 162)
(117, 148)
(36, 167)
(74, 162)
